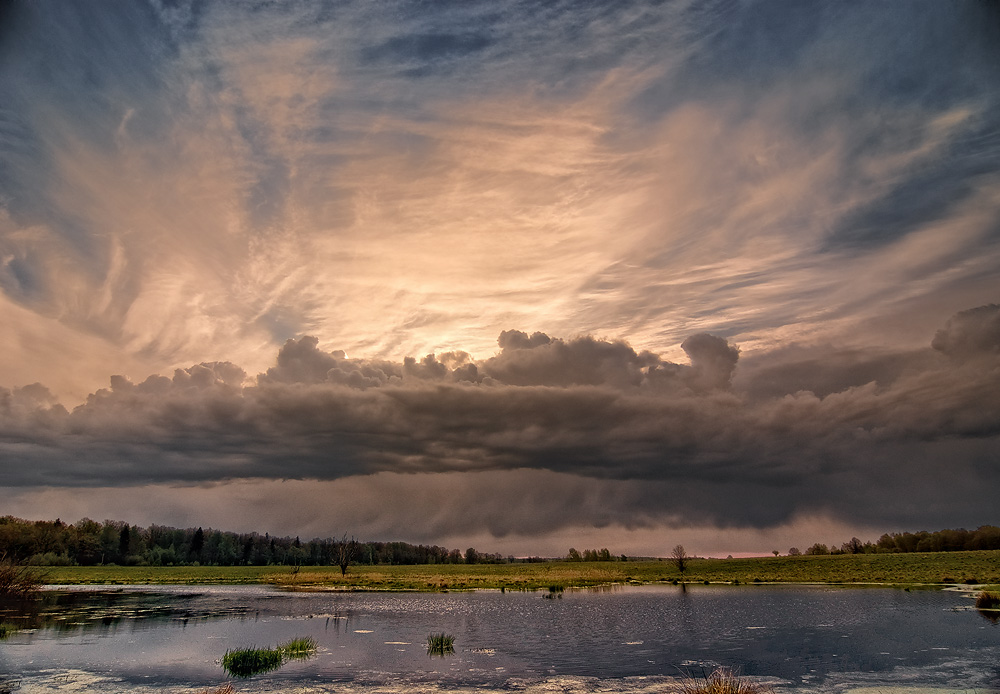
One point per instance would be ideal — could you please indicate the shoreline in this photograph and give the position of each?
(976, 570)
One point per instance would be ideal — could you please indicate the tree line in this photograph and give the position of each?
(88, 543)
(953, 540)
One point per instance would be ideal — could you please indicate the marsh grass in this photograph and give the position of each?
(928, 568)
(247, 662)
(440, 644)
(8, 628)
(988, 600)
(299, 649)
(988, 604)
(724, 681)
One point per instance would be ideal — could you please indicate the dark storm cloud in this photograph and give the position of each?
(585, 407)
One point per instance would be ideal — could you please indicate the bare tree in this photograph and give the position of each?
(345, 551)
(680, 557)
(17, 579)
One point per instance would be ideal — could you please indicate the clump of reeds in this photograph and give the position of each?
(6, 629)
(440, 644)
(247, 662)
(988, 600)
(724, 681)
(299, 649)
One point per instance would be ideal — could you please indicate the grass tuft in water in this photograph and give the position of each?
(247, 662)
(8, 628)
(299, 649)
(724, 681)
(440, 644)
(988, 600)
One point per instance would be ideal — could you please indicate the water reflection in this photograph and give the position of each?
(68, 611)
(989, 615)
(805, 637)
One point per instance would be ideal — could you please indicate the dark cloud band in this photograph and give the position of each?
(585, 407)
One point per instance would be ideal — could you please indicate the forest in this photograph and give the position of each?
(88, 543)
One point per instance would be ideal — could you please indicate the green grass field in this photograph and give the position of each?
(921, 568)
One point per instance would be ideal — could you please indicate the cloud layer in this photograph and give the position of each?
(686, 443)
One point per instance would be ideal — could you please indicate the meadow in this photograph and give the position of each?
(982, 567)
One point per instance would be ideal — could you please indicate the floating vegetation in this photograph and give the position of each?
(440, 644)
(724, 681)
(247, 662)
(8, 628)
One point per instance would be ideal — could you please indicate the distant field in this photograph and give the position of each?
(944, 567)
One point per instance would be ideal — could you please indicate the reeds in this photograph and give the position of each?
(247, 662)
(987, 600)
(299, 649)
(440, 644)
(724, 681)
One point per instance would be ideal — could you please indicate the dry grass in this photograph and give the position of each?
(226, 688)
(987, 600)
(724, 681)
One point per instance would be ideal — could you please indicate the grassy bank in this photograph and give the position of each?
(944, 567)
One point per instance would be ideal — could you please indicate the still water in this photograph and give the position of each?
(800, 639)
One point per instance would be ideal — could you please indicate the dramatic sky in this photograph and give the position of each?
(513, 274)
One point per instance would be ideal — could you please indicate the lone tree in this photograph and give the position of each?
(345, 551)
(680, 557)
(17, 579)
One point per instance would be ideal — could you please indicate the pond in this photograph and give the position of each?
(798, 638)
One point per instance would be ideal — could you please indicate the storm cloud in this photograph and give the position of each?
(585, 407)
